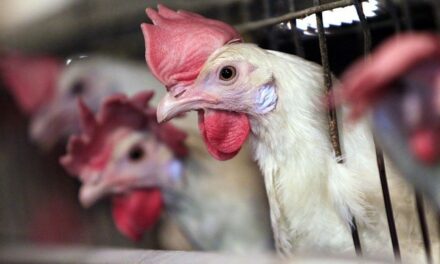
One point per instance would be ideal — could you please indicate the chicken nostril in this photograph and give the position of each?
(180, 93)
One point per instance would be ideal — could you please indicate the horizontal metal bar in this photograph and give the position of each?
(32, 254)
(291, 15)
(86, 255)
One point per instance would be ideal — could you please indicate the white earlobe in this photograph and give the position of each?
(266, 99)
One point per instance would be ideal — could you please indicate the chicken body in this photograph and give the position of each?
(219, 205)
(312, 197)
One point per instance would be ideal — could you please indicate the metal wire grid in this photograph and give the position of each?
(407, 20)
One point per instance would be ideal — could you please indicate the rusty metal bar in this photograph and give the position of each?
(267, 13)
(299, 48)
(391, 8)
(333, 122)
(423, 226)
(408, 22)
(436, 5)
(291, 15)
(364, 26)
(244, 12)
(407, 17)
(379, 155)
(387, 201)
(356, 238)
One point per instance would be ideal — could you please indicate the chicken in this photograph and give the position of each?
(53, 88)
(400, 82)
(124, 153)
(242, 91)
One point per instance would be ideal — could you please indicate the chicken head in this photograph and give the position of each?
(125, 154)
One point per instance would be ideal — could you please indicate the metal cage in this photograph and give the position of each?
(402, 21)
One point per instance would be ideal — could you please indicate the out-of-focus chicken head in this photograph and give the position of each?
(403, 73)
(125, 154)
(59, 117)
(223, 85)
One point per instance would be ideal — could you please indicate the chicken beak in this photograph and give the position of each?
(90, 193)
(181, 100)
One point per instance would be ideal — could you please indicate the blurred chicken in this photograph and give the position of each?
(401, 83)
(124, 153)
(239, 90)
(47, 89)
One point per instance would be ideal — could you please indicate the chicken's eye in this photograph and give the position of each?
(136, 153)
(227, 73)
(77, 88)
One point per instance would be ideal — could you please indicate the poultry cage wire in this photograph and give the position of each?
(398, 14)
(316, 12)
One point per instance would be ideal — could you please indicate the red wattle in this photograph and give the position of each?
(224, 132)
(137, 212)
(424, 145)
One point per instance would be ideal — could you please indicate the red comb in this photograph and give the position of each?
(179, 43)
(363, 83)
(117, 111)
(31, 80)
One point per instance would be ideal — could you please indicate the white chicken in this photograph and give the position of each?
(47, 90)
(240, 89)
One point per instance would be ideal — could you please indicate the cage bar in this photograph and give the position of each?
(408, 22)
(387, 202)
(406, 12)
(436, 5)
(292, 15)
(333, 122)
(392, 10)
(364, 26)
(379, 154)
(423, 226)
(299, 48)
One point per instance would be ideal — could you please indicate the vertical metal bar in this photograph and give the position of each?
(408, 22)
(379, 155)
(333, 122)
(299, 48)
(364, 25)
(423, 226)
(267, 13)
(407, 18)
(355, 236)
(436, 4)
(391, 8)
(387, 201)
(244, 12)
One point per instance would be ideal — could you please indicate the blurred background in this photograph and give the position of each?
(38, 200)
